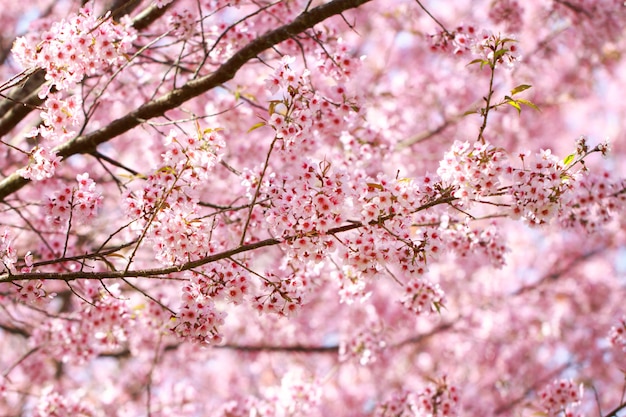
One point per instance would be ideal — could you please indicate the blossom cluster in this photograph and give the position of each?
(537, 188)
(617, 335)
(488, 47)
(401, 404)
(302, 109)
(561, 397)
(467, 242)
(422, 296)
(280, 294)
(42, 164)
(438, 399)
(8, 253)
(341, 65)
(594, 201)
(198, 319)
(544, 187)
(79, 204)
(183, 23)
(309, 199)
(166, 206)
(71, 49)
(365, 347)
(474, 170)
(52, 403)
(227, 40)
(32, 292)
(71, 339)
(458, 42)
(83, 45)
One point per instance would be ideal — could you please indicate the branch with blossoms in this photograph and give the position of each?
(87, 143)
(162, 273)
(20, 103)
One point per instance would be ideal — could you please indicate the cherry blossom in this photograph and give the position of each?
(312, 208)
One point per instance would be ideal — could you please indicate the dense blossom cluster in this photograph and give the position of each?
(474, 170)
(469, 243)
(198, 319)
(594, 201)
(165, 210)
(538, 186)
(423, 296)
(310, 199)
(81, 45)
(42, 164)
(560, 398)
(70, 50)
(77, 204)
(544, 187)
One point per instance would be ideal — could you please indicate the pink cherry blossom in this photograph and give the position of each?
(312, 208)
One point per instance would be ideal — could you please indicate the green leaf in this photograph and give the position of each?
(568, 159)
(520, 88)
(514, 104)
(480, 61)
(210, 130)
(528, 103)
(256, 126)
(499, 53)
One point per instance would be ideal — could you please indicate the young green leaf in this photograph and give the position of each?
(516, 105)
(256, 126)
(520, 88)
(528, 103)
(480, 61)
(568, 159)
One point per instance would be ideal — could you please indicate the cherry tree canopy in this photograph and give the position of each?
(312, 208)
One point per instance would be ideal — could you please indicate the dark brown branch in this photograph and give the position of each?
(149, 15)
(14, 330)
(334, 349)
(120, 8)
(89, 142)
